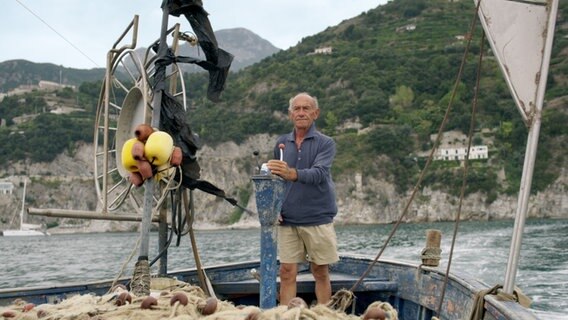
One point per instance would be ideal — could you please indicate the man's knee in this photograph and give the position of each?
(288, 271)
(320, 272)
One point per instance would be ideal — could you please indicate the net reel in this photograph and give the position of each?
(124, 103)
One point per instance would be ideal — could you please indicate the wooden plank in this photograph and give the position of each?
(306, 284)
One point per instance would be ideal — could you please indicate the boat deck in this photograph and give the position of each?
(306, 284)
(412, 291)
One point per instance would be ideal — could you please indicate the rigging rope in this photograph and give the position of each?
(123, 267)
(465, 170)
(57, 32)
(429, 160)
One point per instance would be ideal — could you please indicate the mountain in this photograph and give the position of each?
(16, 73)
(247, 47)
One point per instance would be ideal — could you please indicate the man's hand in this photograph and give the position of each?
(282, 169)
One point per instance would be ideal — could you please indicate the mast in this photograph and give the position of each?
(23, 204)
(156, 105)
(530, 157)
(520, 33)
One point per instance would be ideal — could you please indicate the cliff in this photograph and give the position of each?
(67, 183)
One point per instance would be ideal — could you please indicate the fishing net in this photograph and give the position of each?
(170, 299)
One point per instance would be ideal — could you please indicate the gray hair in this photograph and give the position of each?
(313, 98)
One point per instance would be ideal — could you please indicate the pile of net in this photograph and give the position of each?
(180, 302)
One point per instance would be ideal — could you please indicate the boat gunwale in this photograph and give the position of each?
(422, 277)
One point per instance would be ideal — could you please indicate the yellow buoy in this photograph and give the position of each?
(158, 148)
(128, 161)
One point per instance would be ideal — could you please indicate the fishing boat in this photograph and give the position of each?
(26, 229)
(521, 43)
(411, 290)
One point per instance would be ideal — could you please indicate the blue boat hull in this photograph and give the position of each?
(413, 291)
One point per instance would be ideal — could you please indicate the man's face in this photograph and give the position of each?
(303, 112)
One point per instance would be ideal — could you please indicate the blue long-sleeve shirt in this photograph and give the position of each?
(310, 200)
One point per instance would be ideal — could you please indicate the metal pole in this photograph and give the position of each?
(106, 97)
(146, 220)
(530, 158)
(156, 108)
(156, 104)
(149, 184)
(269, 197)
(163, 224)
(83, 214)
(522, 208)
(163, 241)
(23, 205)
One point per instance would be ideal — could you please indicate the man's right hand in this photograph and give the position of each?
(282, 169)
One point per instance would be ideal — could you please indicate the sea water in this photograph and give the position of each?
(481, 249)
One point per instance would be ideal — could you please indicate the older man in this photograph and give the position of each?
(306, 231)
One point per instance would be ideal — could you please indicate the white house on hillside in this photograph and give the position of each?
(476, 152)
(408, 27)
(322, 50)
(50, 85)
(6, 187)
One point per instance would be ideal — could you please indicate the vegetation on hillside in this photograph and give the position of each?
(392, 70)
(15, 73)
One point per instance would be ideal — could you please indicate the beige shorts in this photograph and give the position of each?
(317, 244)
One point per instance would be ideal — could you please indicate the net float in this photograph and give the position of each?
(158, 148)
(128, 161)
(143, 131)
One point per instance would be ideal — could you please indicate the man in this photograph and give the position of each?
(306, 230)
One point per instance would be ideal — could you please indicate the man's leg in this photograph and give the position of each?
(288, 272)
(323, 283)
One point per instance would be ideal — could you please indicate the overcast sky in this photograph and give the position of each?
(79, 33)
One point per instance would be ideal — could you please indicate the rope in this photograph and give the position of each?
(466, 161)
(341, 300)
(479, 302)
(140, 284)
(168, 186)
(431, 254)
(422, 173)
(429, 161)
(123, 267)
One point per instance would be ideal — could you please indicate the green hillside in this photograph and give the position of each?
(391, 71)
(15, 73)
(396, 82)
